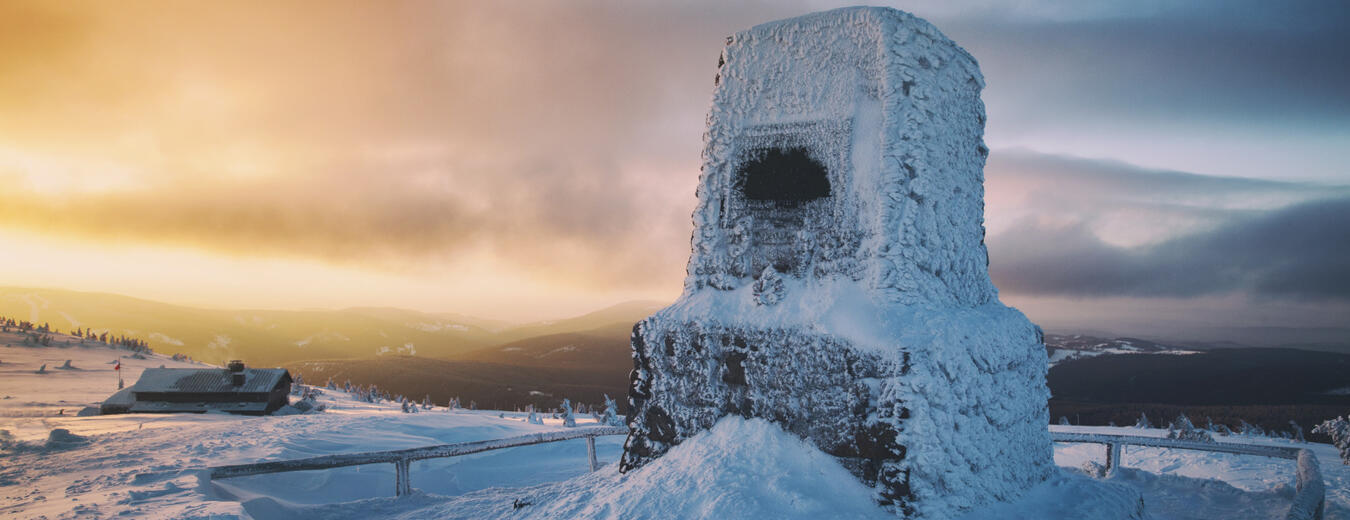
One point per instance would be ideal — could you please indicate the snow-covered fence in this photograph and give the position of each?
(402, 459)
(1309, 500)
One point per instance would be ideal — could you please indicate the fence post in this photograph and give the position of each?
(1112, 456)
(402, 482)
(590, 452)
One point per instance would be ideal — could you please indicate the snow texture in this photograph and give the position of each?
(149, 466)
(855, 311)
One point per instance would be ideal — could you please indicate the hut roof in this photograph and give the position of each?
(207, 380)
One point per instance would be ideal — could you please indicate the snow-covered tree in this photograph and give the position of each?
(569, 420)
(1143, 422)
(768, 288)
(1339, 431)
(1297, 432)
(611, 416)
(1063, 421)
(1253, 430)
(1183, 429)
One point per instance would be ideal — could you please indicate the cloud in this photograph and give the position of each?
(563, 139)
(594, 225)
(1295, 252)
(1228, 61)
(1125, 204)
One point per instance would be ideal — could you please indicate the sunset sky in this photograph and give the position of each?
(1154, 165)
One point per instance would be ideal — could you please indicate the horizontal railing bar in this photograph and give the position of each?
(1309, 499)
(411, 454)
(1308, 502)
(1160, 442)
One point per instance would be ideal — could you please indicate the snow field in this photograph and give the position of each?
(147, 466)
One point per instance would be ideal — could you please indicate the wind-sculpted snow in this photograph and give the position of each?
(838, 281)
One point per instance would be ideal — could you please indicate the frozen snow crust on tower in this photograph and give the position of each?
(838, 283)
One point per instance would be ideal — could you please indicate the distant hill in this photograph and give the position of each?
(1219, 377)
(490, 385)
(1263, 386)
(274, 337)
(1066, 347)
(605, 348)
(617, 319)
(1094, 380)
(583, 365)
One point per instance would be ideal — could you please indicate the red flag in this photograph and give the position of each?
(118, 366)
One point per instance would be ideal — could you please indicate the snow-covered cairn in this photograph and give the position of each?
(838, 284)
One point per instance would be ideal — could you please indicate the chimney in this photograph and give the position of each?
(236, 368)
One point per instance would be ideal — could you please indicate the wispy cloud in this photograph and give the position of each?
(1076, 227)
(562, 140)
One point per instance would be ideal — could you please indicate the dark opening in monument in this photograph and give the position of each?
(783, 175)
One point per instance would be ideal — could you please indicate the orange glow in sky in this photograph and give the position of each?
(530, 160)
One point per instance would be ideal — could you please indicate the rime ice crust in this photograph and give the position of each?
(893, 109)
(860, 317)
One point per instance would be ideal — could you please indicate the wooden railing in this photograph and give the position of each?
(402, 459)
(1309, 499)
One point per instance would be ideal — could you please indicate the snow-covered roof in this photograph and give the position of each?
(207, 380)
(244, 407)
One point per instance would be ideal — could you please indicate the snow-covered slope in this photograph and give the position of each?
(146, 466)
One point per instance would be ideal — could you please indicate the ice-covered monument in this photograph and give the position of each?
(838, 284)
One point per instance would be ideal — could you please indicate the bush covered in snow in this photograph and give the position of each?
(611, 415)
(1339, 431)
(1183, 429)
(569, 418)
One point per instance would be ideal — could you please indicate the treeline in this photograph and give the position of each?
(1249, 376)
(42, 335)
(1274, 419)
(1263, 387)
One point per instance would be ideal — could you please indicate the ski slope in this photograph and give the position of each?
(149, 465)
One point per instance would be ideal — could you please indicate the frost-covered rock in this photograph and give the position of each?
(62, 439)
(838, 281)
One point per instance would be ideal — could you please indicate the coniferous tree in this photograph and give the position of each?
(1339, 430)
(569, 420)
(611, 416)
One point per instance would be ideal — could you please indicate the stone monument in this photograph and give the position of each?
(838, 284)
